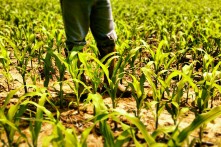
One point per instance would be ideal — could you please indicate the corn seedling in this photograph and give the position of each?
(5, 61)
(138, 92)
(179, 138)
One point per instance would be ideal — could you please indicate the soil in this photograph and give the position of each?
(71, 118)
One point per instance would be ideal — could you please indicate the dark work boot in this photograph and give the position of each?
(122, 90)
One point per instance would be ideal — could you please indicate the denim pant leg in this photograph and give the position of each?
(102, 24)
(80, 15)
(76, 17)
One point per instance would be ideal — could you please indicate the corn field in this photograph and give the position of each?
(167, 55)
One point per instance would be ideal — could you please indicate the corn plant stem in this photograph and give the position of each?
(113, 98)
(158, 104)
(78, 102)
(113, 101)
(187, 94)
(138, 105)
(201, 128)
(164, 78)
(138, 112)
(31, 63)
(61, 94)
(10, 140)
(25, 84)
(175, 121)
(7, 77)
(212, 98)
(201, 134)
(61, 78)
(157, 117)
(94, 88)
(112, 74)
(8, 84)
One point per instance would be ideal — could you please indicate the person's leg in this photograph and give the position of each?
(76, 18)
(102, 27)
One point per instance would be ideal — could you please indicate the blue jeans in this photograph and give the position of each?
(80, 15)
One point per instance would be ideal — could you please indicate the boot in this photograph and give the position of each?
(122, 90)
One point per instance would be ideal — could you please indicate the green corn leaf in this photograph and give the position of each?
(185, 77)
(148, 138)
(98, 102)
(137, 143)
(39, 116)
(141, 127)
(84, 136)
(21, 109)
(136, 86)
(108, 56)
(9, 96)
(14, 108)
(197, 122)
(12, 111)
(125, 136)
(164, 130)
(105, 68)
(122, 138)
(46, 111)
(10, 124)
(37, 46)
(70, 138)
(107, 134)
(16, 50)
(148, 74)
(47, 68)
(47, 141)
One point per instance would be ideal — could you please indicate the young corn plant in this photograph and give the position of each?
(42, 115)
(118, 73)
(157, 95)
(111, 87)
(15, 115)
(138, 92)
(48, 67)
(11, 118)
(36, 124)
(61, 69)
(72, 65)
(5, 61)
(173, 105)
(22, 60)
(102, 114)
(77, 73)
(92, 69)
(188, 70)
(141, 48)
(207, 90)
(156, 77)
(62, 136)
(180, 137)
(24, 51)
